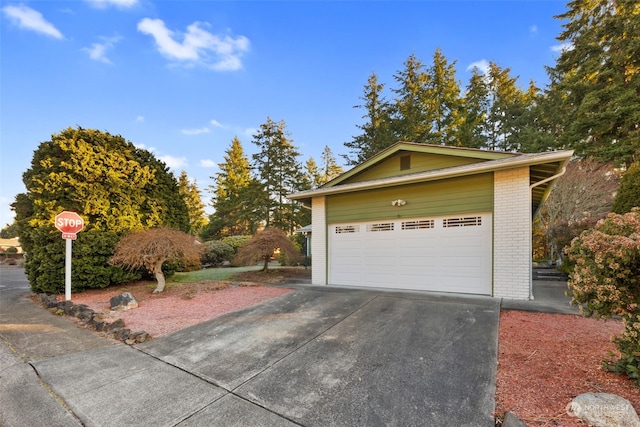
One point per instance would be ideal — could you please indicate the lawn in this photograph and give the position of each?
(226, 273)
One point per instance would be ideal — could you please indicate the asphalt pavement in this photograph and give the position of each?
(317, 356)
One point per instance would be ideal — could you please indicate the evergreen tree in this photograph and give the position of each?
(443, 100)
(330, 167)
(596, 79)
(628, 195)
(313, 178)
(412, 110)
(474, 107)
(9, 231)
(235, 196)
(507, 105)
(279, 174)
(376, 131)
(114, 186)
(195, 207)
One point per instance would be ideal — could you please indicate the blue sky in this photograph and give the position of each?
(182, 78)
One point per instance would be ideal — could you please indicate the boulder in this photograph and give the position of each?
(124, 301)
(603, 410)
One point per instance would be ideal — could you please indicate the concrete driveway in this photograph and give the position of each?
(314, 357)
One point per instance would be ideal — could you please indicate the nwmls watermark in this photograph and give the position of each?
(603, 409)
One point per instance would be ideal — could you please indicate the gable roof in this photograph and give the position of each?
(545, 168)
(413, 147)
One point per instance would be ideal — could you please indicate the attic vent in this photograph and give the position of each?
(405, 162)
(462, 222)
(384, 226)
(342, 229)
(417, 225)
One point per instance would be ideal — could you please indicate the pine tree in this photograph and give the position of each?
(412, 111)
(330, 167)
(474, 113)
(596, 79)
(195, 207)
(279, 174)
(507, 105)
(235, 196)
(376, 131)
(313, 177)
(443, 100)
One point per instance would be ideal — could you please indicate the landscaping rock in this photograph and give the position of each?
(139, 337)
(89, 317)
(121, 334)
(48, 300)
(67, 306)
(603, 410)
(124, 301)
(86, 315)
(109, 327)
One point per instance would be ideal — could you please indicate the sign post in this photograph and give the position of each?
(69, 223)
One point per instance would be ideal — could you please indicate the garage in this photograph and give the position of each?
(431, 218)
(444, 254)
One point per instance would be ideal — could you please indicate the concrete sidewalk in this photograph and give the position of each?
(314, 357)
(548, 297)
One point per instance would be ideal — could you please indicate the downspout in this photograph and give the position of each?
(531, 187)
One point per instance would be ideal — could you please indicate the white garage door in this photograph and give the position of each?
(447, 254)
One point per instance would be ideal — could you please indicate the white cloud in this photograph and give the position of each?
(139, 119)
(98, 51)
(482, 66)
(195, 131)
(174, 162)
(122, 4)
(249, 132)
(217, 124)
(31, 19)
(564, 47)
(198, 46)
(208, 163)
(533, 30)
(144, 147)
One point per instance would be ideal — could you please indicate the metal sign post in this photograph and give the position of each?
(70, 223)
(67, 270)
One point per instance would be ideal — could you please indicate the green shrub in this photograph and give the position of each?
(236, 242)
(628, 195)
(605, 282)
(216, 253)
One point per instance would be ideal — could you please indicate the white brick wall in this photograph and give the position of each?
(512, 234)
(318, 241)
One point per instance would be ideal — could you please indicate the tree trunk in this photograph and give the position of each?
(266, 263)
(157, 270)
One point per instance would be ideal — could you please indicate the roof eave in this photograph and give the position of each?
(452, 172)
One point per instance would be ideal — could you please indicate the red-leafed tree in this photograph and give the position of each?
(150, 249)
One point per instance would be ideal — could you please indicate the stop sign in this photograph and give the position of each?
(69, 223)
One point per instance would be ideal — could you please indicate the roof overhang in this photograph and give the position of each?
(545, 167)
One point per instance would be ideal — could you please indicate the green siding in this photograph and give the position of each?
(452, 196)
(420, 162)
